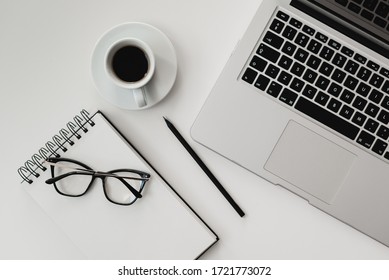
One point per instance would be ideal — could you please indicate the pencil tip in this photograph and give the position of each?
(166, 120)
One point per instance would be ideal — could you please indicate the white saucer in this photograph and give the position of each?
(165, 65)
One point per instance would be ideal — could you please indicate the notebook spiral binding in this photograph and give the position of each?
(75, 128)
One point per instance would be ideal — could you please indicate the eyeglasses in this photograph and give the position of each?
(73, 178)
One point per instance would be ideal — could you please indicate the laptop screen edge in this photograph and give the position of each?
(341, 24)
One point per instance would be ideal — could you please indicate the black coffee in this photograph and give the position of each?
(130, 64)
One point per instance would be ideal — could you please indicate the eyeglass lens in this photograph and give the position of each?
(117, 191)
(74, 185)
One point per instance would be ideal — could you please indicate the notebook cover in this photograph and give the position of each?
(160, 225)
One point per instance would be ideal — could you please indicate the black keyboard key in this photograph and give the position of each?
(347, 96)
(334, 44)
(249, 75)
(372, 110)
(365, 139)
(288, 97)
(385, 102)
(274, 89)
(297, 85)
(376, 81)
(334, 105)
(258, 63)
(370, 4)
(289, 48)
(359, 119)
(386, 155)
(268, 53)
(342, 2)
(339, 60)
(284, 78)
(313, 62)
(277, 26)
(273, 40)
(371, 125)
(326, 69)
(301, 39)
(309, 30)
(348, 52)
(301, 55)
(327, 118)
(385, 87)
(354, 8)
(338, 76)
(314, 46)
(350, 82)
(376, 96)
(296, 23)
(346, 112)
(310, 76)
(309, 91)
(359, 103)
(379, 147)
(321, 37)
(363, 89)
(361, 59)
(384, 72)
(289, 33)
(322, 83)
(322, 98)
(285, 62)
(326, 53)
(372, 65)
(272, 71)
(383, 132)
(297, 69)
(364, 74)
(382, 10)
(283, 16)
(334, 89)
(383, 117)
(367, 15)
(262, 82)
(351, 67)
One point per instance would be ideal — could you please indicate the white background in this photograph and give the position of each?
(45, 53)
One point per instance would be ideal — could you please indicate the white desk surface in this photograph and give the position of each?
(45, 74)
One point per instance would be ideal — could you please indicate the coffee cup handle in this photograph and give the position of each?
(140, 97)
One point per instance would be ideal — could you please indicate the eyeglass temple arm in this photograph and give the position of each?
(96, 172)
(57, 178)
(123, 177)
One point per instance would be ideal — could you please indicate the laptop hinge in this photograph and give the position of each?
(307, 8)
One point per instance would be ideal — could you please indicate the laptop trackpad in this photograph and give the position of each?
(310, 162)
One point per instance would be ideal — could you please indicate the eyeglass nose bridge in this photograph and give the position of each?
(99, 174)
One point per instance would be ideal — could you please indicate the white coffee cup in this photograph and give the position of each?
(130, 63)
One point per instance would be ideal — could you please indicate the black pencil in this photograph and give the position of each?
(204, 167)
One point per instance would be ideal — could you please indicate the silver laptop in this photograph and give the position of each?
(304, 103)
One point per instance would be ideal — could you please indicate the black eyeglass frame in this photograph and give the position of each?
(97, 174)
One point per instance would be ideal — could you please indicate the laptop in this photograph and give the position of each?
(304, 103)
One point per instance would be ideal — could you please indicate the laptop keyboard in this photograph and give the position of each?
(310, 72)
(375, 11)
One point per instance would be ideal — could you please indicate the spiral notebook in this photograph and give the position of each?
(160, 225)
